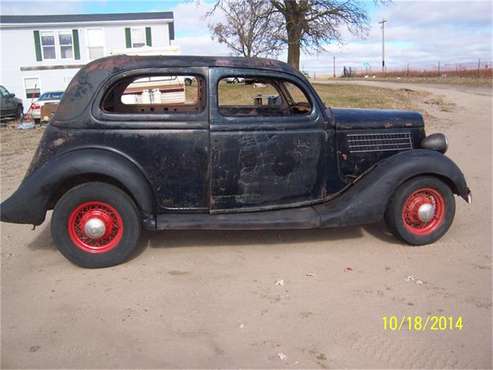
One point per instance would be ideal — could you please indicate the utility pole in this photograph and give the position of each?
(382, 22)
(334, 66)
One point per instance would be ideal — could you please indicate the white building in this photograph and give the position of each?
(41, 53)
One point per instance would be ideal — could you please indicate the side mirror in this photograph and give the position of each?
(11, 95)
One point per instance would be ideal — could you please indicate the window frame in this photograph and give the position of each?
(228, 123)
(24, 78)
(185, 120)
(86, 31)
(281, 89)
(54, 34)
(69, 32)
(140, 28)
(58, 47)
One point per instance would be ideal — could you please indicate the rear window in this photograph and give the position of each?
(156, 94)
(52, 96)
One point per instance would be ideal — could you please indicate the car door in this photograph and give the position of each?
(162, 124)
(263, 156)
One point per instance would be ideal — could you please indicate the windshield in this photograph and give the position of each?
(56, 95)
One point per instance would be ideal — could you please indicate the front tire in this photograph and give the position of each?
(96, 225)
(421, 210)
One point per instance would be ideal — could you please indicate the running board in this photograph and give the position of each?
(294, 218)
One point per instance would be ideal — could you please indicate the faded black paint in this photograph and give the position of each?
(184, 170)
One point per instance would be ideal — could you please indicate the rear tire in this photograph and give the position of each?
(96, 225)
(421, 210)
(19, 115)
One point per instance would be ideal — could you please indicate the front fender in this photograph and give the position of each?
(366, 200)
(29, 204)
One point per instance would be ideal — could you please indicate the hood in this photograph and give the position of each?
(356, 119)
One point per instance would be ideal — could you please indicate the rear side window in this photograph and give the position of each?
(156, 94)
(261, 96)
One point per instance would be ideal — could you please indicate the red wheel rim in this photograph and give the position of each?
(106, 234)
(411, 217)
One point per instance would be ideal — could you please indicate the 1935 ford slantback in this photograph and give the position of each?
(184, 142)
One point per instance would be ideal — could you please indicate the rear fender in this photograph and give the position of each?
(29, 204)
(366, 200)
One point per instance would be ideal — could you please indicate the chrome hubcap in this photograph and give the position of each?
(94, 228)
(426, 212)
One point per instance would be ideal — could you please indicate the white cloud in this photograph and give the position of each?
(192, 32)
(418, 33)
(201, 45)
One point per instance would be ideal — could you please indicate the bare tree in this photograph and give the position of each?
(299, 24)
(251, 28)
(310, 24)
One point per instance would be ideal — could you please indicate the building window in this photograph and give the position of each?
(31, 85)
(48, 45)
(138, 37)
(95, 43)
(66, 45)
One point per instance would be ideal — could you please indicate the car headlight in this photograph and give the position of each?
(438, 142)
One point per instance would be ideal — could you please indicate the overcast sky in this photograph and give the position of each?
(419, 33)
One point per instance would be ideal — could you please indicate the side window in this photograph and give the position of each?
(260, 96)
(156, 94)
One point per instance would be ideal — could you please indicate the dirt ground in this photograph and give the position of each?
(210, 299)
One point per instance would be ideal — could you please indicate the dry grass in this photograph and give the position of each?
(464, 81)
(334, 95)
(352, 96)
(241, 94)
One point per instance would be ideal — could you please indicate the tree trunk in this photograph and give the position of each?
(294, 32)
(294, 53)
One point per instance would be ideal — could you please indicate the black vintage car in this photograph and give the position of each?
(166, 143)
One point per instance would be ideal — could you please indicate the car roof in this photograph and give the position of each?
(86, 82)
(137, 61)
(52, 92)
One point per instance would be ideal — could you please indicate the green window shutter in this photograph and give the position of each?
(128, 38)
(75, 40)
(37, 46)
(148, 36)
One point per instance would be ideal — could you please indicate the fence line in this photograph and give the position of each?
(478, 69)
